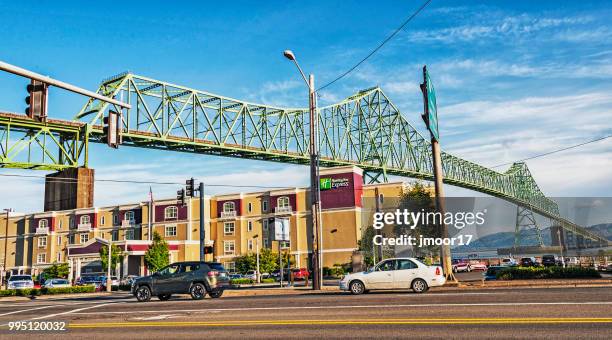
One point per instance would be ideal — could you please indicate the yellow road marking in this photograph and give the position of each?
(344, 322)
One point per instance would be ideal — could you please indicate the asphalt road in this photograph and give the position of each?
(551, 313)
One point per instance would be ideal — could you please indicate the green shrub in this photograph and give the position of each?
(8, 292)
(241, 281)
(528, 273)
(69, 290)
(268, 280)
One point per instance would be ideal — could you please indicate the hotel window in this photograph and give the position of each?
(250, 244)
(115, 235)
(43, 223)
(59, 257)
(229, 207)
(250, 207)
(171, 230)
(71, 239)
(42, 242)
(84, 238)
(115, 219)
(59, 226)
(129, 216)
(85, 219)
(171, 212)
(102, 220)
(264, 206)
(266, 243)
(285, 244)
(71, 222)
(41, 258)
(265, 225)
(282, 202)
(228, 247)
(228, 228)
(129, 234)
(59, 240)
(249, 225)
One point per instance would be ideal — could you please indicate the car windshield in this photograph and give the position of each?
(20, 278)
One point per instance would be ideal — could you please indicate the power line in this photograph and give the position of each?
(554, 151)
(379, 46)
(73, 180)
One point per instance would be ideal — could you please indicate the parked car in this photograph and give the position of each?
(395, 273)
(127, 280)
(276, 274)
(529, 262)
(551, 260)
(461, 266)
(194, 278)
(235, 276)
(20, 282)
(491, 273)
(300, 274)
(509, 262)
(56, 283)
(572, 261)
(114, 281)
(251, 274)
(477, 265)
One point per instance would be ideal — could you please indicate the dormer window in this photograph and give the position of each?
(43, 223)
(85, 219)
(171, 212)
(282, 202)
(129, 216)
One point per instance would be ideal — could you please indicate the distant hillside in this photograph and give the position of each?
(506, 239)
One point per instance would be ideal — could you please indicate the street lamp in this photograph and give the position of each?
(7, 211)
(257, 276)
(314, 172)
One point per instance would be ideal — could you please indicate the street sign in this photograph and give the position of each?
(281, 229)
(431, 109)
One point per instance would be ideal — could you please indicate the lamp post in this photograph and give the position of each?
(257, 275)
(109, 281)
(7, 211)
(314, 172)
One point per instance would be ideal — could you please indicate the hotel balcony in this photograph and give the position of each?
(228, 214)
(128, 223)
(42, 231)
(84, 227)
(283, 210)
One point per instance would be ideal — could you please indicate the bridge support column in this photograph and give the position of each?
(69, 189)
(557, 236)
(526, 223)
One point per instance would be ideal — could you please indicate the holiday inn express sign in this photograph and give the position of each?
(333, 183)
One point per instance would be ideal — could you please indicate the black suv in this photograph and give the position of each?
(194, 278)
(551, 260)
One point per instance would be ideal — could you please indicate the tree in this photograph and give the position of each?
(268, 261)
(366, 245)
(418, 199)
(245, 263)
(116, 256)
(158, 255)
(57, 270)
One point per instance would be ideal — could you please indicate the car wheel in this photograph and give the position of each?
(357, 287)
(216, 293)
(419, 286)
(143, 294)
(197, 291)
(164, 297)
(469, 269)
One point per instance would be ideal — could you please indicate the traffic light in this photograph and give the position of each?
(111, 129)
(190, 188)
(208, 250)
(181, 197)
(36, 100)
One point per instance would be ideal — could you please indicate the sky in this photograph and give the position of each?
(513, 79)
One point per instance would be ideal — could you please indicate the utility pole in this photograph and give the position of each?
(560, 246)
(430, 116)
(6, 239)
(202, 217)
(258, 275)
(109, 282)
(379, 250)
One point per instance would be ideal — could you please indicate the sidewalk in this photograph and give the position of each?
(325, 290)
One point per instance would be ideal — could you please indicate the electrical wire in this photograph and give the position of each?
(414, 14)
(554, 151)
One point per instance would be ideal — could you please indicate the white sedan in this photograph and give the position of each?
(396, 273)
(56, 283)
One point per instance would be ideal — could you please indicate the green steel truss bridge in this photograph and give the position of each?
(365, 129)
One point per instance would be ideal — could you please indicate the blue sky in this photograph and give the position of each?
(514, 79)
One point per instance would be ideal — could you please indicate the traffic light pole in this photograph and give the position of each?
(202, 230)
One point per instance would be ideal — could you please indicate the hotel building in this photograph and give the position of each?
(235, 225)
